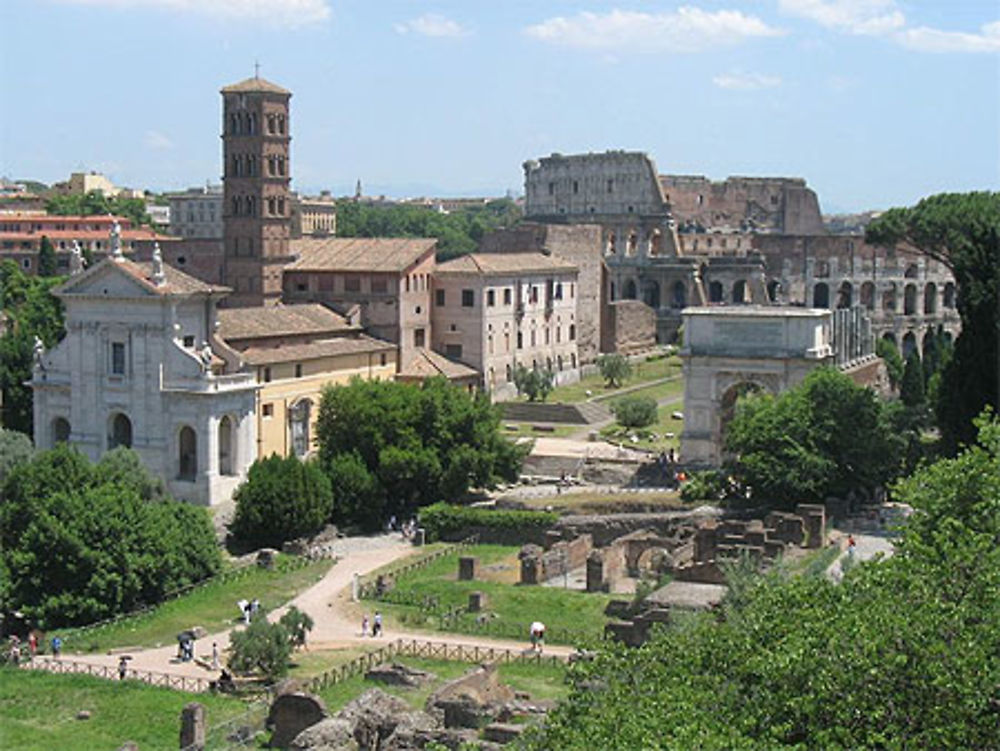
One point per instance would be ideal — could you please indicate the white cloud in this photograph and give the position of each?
(855, 16)
(157, 141)
(432, 25)
(925, 39)
(740, 81)
(288, 13)
(685, 30)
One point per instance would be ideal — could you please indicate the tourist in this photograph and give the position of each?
(364, 625)
(15, 649)
(56, 646)
(537, 636)
(215, 655)
(32, 644)
(377, 625)
(851, 545)
(122, 668)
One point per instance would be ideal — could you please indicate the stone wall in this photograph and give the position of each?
(605, 567)
(539, 565)
(632, 326)
(606, 528)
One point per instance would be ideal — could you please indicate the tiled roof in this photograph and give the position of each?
(315, 350)
(86, 234)
(390, 254)
(428, 364)
(254, 84)
(177, 282)
(504, 263)
(279, 320)
(46, 218)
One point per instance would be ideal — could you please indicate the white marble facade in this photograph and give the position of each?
(141, 366)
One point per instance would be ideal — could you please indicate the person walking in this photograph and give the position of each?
(56, 646)
(215, 655)
(32, 644)
(122, 668)
(364, 625)
(537, 636)
(377, 625)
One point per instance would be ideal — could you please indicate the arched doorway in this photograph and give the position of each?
(678, 295)
(651, 294)
(821, 295)
(949, 295)
(910, 300)
(120, 431)
(845, 295)
(727, 409)
(739, 291)
(187, 454)
(60, 431)
(868, 295)
(227, 445)
(930, 299)
(773, 287)
(715, 292)
(630, 293)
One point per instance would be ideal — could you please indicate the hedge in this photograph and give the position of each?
(443, 521)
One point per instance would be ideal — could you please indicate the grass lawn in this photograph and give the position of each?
(541, 681)
(658, 391)
(515, 607)
(641, 373)
(38, 712)
(212, 606)
(654, 437)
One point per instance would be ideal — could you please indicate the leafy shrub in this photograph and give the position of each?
(261, 647)
(444, 520)
(635, 411)
(533, 383)
(711, 485)
(614, 369)
(282, 498)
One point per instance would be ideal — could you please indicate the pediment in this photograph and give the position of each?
(107, 279)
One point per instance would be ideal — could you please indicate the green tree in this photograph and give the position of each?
(46, 258)
(15, 449)
(31, 310)
(534, 383)
(614, 369)
(123, 466)
(893, 361)
(95, 202)
(282, 498)
(962, 231)
(635, 411)
(911, 391)
(838, 437)
(297, 625)
(261, 647)
(415, 444)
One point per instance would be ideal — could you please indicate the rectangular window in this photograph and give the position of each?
(380, 285)
(506, 296)
(454, 351)
(298, 370)
(418, 337)
(118, 358)
(382, 359)
(352, 284)
(468, 298)
(490, 298)
(267, 375)
(439, 297)
(534, 293)
(189, 341)
(268, 410)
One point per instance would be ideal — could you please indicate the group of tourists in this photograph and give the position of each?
(376, 625)
(666, 462)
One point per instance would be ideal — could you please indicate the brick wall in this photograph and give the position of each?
(632, 326)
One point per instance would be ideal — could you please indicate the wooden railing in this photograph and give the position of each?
(153, 678)
(430, 650)
(368, 587)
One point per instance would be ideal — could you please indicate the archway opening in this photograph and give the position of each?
(60, 431)
(868, 295)
(821, 295)
(845, 295)
(739, 291)
(121, 432)
(678, 296)
(949, 295)
(909, 344)
(727, 408)
(651, 294)
(773, 287)
(715, 292)
(187, 450)
(227, 444)
(630, 293)
(930, 299)
(910, 300)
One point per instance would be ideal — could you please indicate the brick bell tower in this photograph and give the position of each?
(256, 205)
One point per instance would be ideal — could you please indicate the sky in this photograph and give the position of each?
(876, 103)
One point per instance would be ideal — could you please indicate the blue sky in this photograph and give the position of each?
(875, 102)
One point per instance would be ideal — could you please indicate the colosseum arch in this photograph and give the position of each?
(910, 300)
(868, 295)
(821, 295)
(739, 291)
(930, 299)
(845, 295)
(715, 292)
(909, 344)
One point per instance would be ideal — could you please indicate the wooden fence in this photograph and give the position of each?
(430, 650)
(153, 678)
(369, 585)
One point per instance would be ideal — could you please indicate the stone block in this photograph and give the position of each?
(193, 727)
(502, 732)
(477, 601)
(291, 714)
(468, 568)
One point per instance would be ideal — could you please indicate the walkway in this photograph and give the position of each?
(867, 546)
(328, 603)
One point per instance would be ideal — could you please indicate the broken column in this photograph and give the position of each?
(468, 568)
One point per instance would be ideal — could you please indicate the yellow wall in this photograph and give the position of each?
(285, 390)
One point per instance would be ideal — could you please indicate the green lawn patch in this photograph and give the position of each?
(571, 616)
(38, 712)
(541, 681)
(652, 438)
(211, 606)
(641, 373)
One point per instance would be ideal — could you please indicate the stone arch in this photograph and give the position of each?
(845, 295)
(649, 559)
(821, 295)
(909, 344)
(927, 342)
(727, 405)
(630, 292)
(868, 295)
(890, 337)
(227, 445)
(59, 431)
(678, 295)
(910, 300)
(930, 299)
(651, 293)
(119, 431)
(911, 271)
(773, 287)
(715, 291)
(739, 291)
(187, 454)
(889, 297)
(949, 295)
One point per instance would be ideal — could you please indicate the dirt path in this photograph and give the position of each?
(328, 602)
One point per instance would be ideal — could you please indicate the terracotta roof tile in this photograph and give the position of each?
(177, 282)
(504, 263)
(254, 85)
(427, 364)
(387, 254)
(280, 320)
(315, 350)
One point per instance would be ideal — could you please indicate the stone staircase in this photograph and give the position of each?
(585, 413)
(551, 466)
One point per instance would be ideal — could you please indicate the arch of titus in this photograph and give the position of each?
(730, 351)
